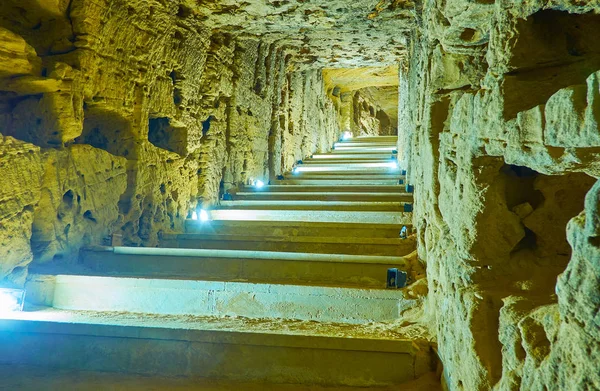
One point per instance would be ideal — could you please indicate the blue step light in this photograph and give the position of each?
(408, 207)
(11, 300)
(396, 278)
(404, 232)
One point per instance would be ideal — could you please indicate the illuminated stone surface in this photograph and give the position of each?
(123, 116)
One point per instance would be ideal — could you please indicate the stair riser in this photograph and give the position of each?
(346, 179)
(351, 156)
(393, 189)
(258, 270)
(380, 174)
(390, 197)
(216, 298)
(382, 217)
(359, 162)
(375, 149)
(247, 228)
(310, 247)
(173, 354)
(266, 205)
(364, 144)
(333, 181)
(370, 168)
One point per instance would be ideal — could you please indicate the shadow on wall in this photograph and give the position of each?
(544, 205)
(109, 131)
(162, 134)
(552, 50)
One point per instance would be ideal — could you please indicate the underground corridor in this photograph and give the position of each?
(300, 195)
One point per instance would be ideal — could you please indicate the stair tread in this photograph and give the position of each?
(81, 271)
(300, 223)
(333, 189)
(33, 378)
(389, 337)
(248, 254)
(273, 238)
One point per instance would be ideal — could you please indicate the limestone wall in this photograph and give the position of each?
(116, 116)
(499, 118)
(363, 115)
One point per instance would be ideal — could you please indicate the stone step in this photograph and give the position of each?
(349, 176)
(324, 196)
(383, 215)
(303, 205)
(200, 348)
(387, 151)
(336, 160)
(302, 244)
(391, 189)
(292, 229)
(333, 181)
(369, 138)
(34, 378)
(273, 267)
(363, 149)
(186, 296)
(352, 156)
(387, 167)
(364, 144)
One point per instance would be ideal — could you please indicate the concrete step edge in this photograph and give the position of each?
(249, 254)
(124, 327)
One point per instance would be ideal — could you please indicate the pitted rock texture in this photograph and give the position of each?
(499, 132)
(136, 111)
(120, 117)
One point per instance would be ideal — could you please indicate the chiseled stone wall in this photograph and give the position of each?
(499, 117)
(117, 116)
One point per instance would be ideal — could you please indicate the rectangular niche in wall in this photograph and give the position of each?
(163, 134)
(108, 130)
(551, 50)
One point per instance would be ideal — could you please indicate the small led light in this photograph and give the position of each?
(346, 136)
(204, 215)
(258, 184)
(393, 164)
(194, 215)
(296, 170)
(11, 300)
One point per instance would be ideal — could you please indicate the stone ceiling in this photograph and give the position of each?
(380, 84)
(359, 43)
(323, 33)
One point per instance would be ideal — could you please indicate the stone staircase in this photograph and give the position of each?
(285, 283)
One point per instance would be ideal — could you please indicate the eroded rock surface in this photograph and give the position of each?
(499, 131)
(120, 116)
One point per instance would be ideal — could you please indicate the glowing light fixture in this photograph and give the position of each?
(194, 215)
(204, 215)
(346, 136)
(393, 164)
(296, 170)
(11, 300)
(259, 184)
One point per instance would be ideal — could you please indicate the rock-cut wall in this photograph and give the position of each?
(499, 112)
(118, 116)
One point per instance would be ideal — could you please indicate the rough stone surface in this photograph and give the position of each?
(144, 108)
(121, 116)
(498, 127)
